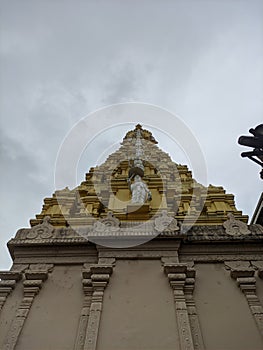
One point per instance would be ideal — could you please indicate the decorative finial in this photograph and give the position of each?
(145, 134)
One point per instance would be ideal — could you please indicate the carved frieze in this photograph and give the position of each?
(162, 226)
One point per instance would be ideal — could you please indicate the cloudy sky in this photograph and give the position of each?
(63, 59)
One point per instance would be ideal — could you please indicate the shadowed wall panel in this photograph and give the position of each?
(53, 319)
(259, 285)
(224, 314)
(138, 309)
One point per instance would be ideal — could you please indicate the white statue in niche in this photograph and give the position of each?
(140, 191)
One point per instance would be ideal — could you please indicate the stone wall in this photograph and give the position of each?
(165, 294)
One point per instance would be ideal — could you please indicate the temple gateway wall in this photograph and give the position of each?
(139, 256)
(164, 294)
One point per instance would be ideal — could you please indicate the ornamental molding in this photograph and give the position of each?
(47, 268)
(237, 265)
(109, 224)
(8, 280)
(219, 233)
(85, 312)
(258, 265)
(19, 267)
(219, 257)
(235, 227)
(181, 278)
(43, 230)
(99, 276)
(164, 223)
(162, 227)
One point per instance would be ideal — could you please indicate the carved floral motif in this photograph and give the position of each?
(165, 223)
(108, 224)
(235, 227)
(43, 230)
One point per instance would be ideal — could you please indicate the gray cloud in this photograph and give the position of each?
(22, 188)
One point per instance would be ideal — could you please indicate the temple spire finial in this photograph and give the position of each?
(145, 134)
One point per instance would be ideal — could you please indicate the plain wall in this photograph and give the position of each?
(138, 309)
(53, 319)
(225, 317)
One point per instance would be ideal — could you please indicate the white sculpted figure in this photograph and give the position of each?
(140, 191)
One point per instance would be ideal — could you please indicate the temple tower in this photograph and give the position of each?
(138, 256)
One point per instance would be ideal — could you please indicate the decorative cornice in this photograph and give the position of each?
(10, 275)
(7, 284)
(179, 268)
(129, 229)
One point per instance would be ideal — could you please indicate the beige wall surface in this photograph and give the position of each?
(138, 309)
(225, 318)
(53, 319)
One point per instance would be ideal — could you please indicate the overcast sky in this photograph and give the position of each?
(61, 60)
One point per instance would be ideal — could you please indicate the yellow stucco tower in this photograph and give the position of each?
(106, 189)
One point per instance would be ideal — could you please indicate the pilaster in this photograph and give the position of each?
(100, 276)
(7, 284)
(177, 275)
(32, 284)
(192, 312)
(84, 316)
(244, 276)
